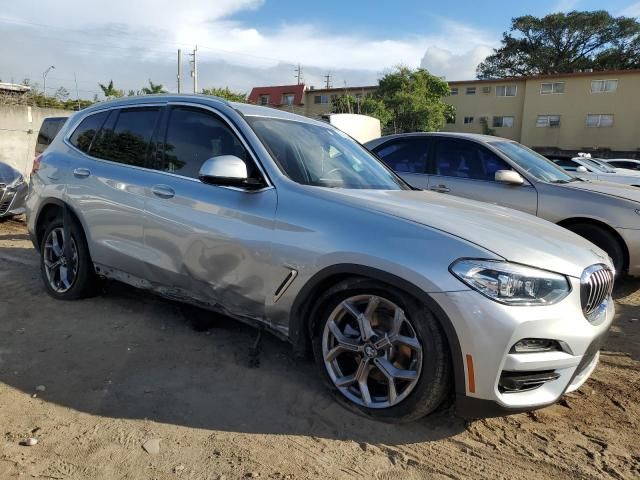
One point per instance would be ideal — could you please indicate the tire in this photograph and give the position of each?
(80, 275)
(605, 240)
(414, 396)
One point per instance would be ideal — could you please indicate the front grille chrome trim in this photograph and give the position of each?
(596, 285)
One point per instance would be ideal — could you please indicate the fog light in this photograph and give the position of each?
(536, 345)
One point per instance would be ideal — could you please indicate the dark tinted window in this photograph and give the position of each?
(86, 131)
(463, 159)
(127, 140)
(194, 136)
(405, 156)
(566, 164)
(49, 129)
(625, 164)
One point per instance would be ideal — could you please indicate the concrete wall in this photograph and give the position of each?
(19, 126)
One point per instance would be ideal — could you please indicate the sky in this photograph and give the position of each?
(247, 43)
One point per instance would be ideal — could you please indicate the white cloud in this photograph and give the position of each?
(565, 6)
(632, 10)
(132, 40)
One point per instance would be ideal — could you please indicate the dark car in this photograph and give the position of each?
(48, 131)
(13, 191)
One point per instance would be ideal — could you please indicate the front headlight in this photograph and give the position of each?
(510, 283)
(19, 180)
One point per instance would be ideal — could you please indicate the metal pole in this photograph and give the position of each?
(195, 71)
(77, 96)
(179, 71)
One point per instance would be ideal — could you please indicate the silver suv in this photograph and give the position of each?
(404, 296)
(503, 172)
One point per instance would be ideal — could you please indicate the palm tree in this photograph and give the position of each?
(110, 91)
(153, 88)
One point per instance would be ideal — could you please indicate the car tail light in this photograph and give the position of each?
(36, 164)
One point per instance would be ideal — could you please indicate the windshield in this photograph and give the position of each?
(603, 165)
(587, 162)
(322, 156)
(533, 163)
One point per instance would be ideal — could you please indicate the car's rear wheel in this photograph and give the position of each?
(67, 270)
(603, 239)
(382, 352)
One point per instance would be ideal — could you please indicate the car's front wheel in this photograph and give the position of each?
(382, 352)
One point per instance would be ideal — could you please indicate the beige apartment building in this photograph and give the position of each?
(306, 100)
(560, 114)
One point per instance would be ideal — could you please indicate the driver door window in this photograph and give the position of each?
(194, 136)
(467, 169)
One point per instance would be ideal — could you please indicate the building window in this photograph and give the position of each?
(551, 88)
(604, 86)
(504, 122)
(600, 120)
(264, 99)
(454, 91)
(468, 120)
(548, 121)
(451, 119)
(287, 99)
(321, 99)
(471, 90)
(506, 90)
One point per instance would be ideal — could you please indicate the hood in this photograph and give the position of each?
(512, 235)
(7, 173)
(619, 190)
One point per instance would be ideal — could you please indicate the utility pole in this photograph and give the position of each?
(298, 74)
(194, 69)
(179, 71)
(327, 80)
(77, 96)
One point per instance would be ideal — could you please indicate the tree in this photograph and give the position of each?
(153, 88)
(365, 105)
(110, 91)
(563, 43)
(413, 100)
(62, 94)
(226, 93)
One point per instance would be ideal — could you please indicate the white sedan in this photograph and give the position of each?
(595, 169)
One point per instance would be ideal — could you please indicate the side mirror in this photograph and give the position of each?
(509, 176)
(582, 169)
(227, 170)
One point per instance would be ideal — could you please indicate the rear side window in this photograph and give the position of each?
(48, 131)
(194, 136)
(462, 159)
(84, 134)
(405, 156)
(125, 139)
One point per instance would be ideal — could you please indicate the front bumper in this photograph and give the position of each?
(12, 200)
(486, 332)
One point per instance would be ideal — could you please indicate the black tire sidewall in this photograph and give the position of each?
(435, 378)
(84, 284)
(604, 240)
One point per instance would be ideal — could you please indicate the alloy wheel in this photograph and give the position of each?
(371, 351)
(61, 271)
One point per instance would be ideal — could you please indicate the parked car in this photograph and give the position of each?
(48, 131)
(13, 191)
(287, 223)
(626, 163)
(503, 172)
(592, 169)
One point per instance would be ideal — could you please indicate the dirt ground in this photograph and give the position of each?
(125, 368)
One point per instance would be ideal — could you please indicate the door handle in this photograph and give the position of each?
(440, 189)
(81, 172)
(163, 191)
